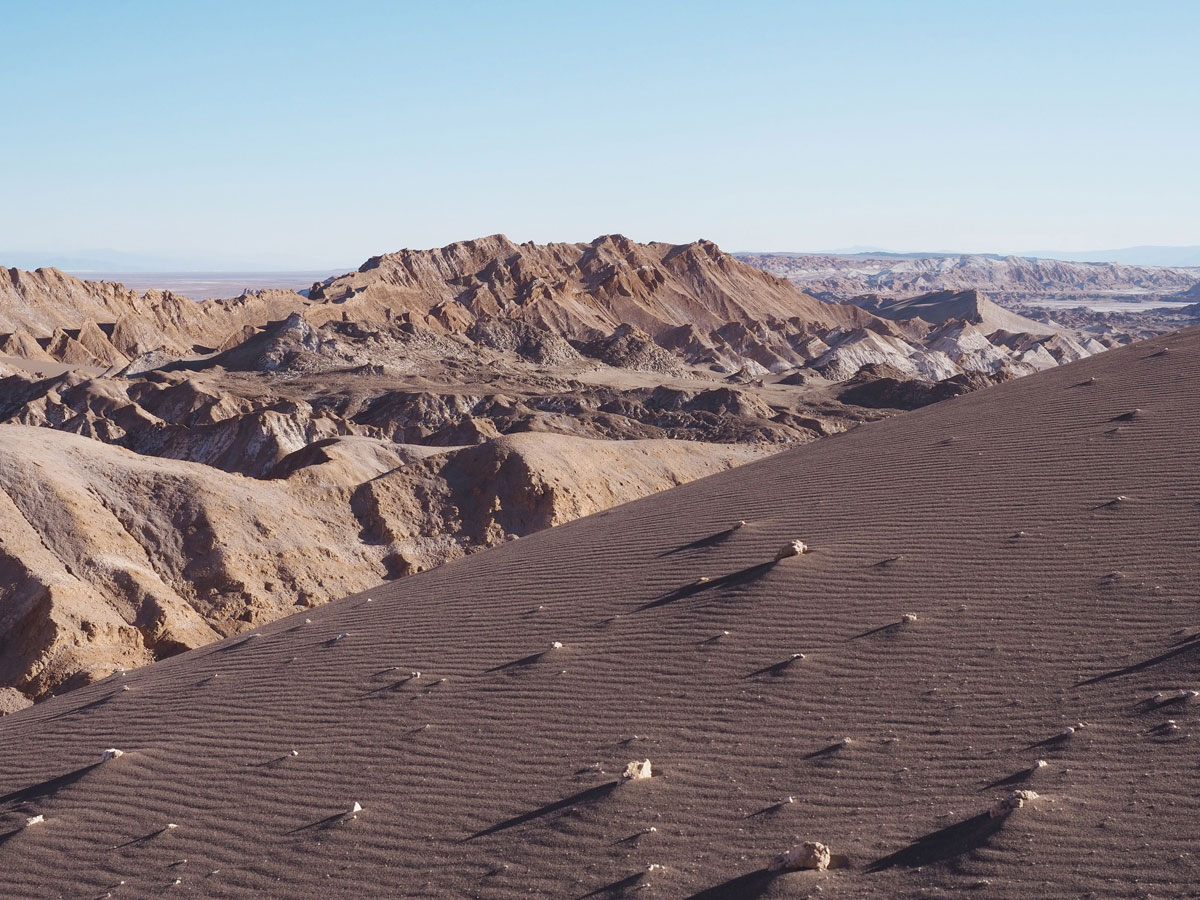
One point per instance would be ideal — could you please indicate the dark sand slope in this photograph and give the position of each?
(1042, 601)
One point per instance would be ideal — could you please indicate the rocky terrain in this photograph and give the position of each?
(1008, 279)
(174, 471)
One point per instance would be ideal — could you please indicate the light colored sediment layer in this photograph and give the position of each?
(110, 560)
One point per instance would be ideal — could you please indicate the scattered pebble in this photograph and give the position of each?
(111, 753)
(791, 548)
(1040, 764)
(344, 634)
(1015, 800)
(908, 618)
(808, 855)
(636, 770)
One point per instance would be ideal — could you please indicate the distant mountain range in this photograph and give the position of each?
(88, 262)
(1130, 256)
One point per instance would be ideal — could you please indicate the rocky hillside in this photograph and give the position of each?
(111, 559)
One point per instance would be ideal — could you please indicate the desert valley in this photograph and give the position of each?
(177, 475)
(487, 451)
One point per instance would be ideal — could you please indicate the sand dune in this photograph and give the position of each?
(984, 575)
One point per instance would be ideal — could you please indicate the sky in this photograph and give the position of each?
(305, 135)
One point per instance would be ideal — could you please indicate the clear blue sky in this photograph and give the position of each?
(319, 133)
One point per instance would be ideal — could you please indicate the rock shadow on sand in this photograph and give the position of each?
(1192, 646)
(944, 844)
(48, 788)
(703, 543)
(616, 889)
(733, 579)
(591, 795)
(744, 887)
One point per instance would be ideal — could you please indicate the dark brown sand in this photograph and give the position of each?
(1042, 602)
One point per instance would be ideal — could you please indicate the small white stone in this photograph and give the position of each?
(636, 770)
(35, 820)
(1040, 764)
(295, 753)
(344, 634)
(171, 826)
(356, 808)
(111, 753)
(557, 645)
(908, 618)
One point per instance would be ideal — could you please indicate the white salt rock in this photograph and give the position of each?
(808, 855)
(557, 645)
(1015, 800)
(908, 618)
(34, 820)
(1040, 764)
(791, 548)
(111, 753)
(636, 771)
(356, 808)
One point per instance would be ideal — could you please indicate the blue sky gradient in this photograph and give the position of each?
(313, 134)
